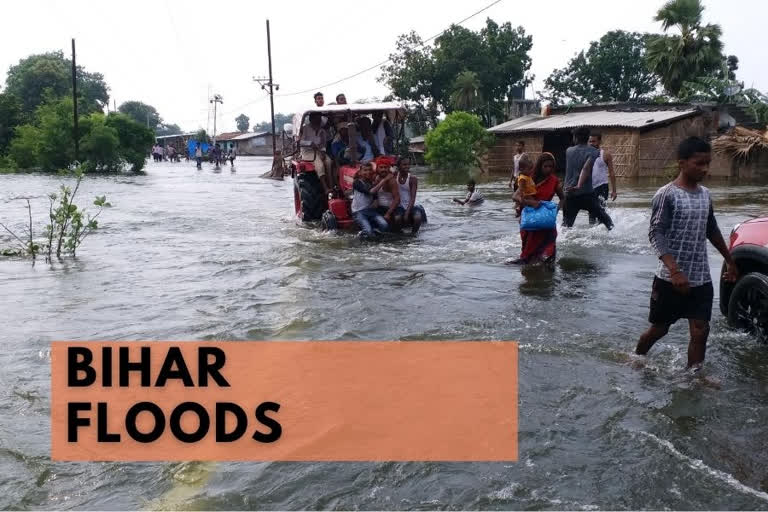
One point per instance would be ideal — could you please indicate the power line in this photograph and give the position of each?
(389, 59)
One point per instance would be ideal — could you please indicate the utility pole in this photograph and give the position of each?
(76, 133)
(215, 100)
(268, 83)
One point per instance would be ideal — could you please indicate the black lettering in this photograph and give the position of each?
(261, 416)
(106, 366)
(84, 365)
(205, 367)
(74, 421)
(127, 366)
(222, 408)
(174, 356)
(202, 427)
(103, 436)
(133, 414)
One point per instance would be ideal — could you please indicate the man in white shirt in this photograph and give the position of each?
(382, 132)
(602, 171)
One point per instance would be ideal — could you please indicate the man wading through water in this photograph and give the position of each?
(682, 220)
(579, 160)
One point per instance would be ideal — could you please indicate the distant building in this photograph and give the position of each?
(416, 149)
(257, 144)
(179, 140)
(642, 138)
(226, 140)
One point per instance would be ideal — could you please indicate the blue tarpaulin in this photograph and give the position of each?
(192, 146)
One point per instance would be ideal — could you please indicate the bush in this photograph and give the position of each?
(56, 144)
(457, 142)
(106, 143)
(99, 147)
(135, 139)
(25, 146)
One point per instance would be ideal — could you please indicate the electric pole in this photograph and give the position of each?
(76, 133)
(267, 83)
(215, 100)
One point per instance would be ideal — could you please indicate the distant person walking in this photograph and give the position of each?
(579, 161)
(519, 150)
(682, 220)
(601, 173)
(199, 156)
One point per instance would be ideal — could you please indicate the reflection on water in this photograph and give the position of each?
(186, 254)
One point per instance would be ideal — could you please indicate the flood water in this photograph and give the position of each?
(198, 255)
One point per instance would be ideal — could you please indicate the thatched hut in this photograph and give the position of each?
(643, 139)
(741, 152)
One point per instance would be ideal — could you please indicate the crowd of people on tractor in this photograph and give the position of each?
(383, 198)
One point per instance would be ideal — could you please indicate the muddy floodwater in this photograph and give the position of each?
(198, 255)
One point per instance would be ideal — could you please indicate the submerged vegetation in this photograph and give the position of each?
(69, 225)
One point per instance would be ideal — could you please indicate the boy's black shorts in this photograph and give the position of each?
(668, 305)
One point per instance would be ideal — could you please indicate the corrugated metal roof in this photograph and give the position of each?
(227, 136)
(252, 135)
(600, 118)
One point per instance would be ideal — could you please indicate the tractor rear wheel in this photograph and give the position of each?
(311, 196)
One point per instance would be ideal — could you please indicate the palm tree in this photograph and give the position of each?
(465, 95)
(696, 52)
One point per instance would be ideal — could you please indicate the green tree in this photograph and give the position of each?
(465, 95)
(25, 146)
(57, 147)
(611, 69)
(497, 54)
(10, 117)
(141, 113)
(280, 120)
(168, 129)
(50, 73)
(106, 142)
(99, 146)
(202, 137)
(458, 141)
(409, 75)
(696, 52)
(243, 122)
(135, 139)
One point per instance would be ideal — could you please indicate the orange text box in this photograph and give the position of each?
(338, 401)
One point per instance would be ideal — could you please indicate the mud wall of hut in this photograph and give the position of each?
(622, 143)
(725, 166)
(657, 154)
(500, 156)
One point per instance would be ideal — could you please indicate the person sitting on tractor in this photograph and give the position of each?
(366, 139)
(389, 196)
(382, 133)
(414, 214)
(340, 146)
(364, 199)
(313, 143)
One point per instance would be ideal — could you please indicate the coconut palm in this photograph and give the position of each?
(465, 94)
(696, 52)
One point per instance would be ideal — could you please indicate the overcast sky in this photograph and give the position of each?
(170, 53)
